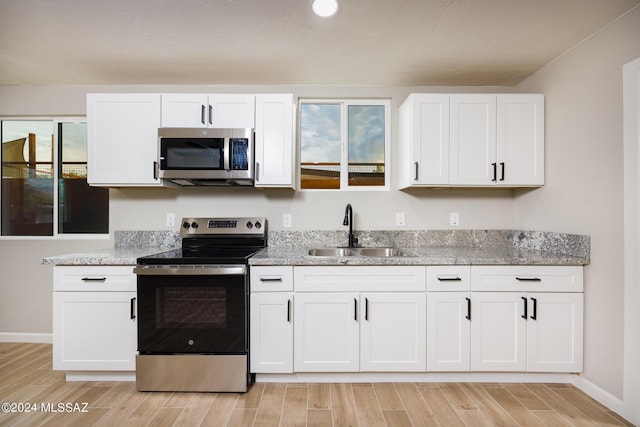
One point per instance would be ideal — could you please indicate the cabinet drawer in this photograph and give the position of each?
(272, 278)
(527, 278)
(449, 278)
(94, 278)
(360, 278)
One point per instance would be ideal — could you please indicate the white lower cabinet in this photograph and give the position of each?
(356, 328)
(94, 318)
(271, 319)
(448, 331)
(326, 337)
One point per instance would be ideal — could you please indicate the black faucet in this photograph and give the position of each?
(348, 220)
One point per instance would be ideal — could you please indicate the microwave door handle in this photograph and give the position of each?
(226, 154)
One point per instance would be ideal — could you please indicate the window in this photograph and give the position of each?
(44, 188)
(344, 144)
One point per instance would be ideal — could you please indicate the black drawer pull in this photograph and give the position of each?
(450, 279)
(94, 279)
(528, 279)
(271, 279)
(468, 316)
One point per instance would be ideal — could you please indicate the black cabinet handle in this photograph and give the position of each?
(468, 316)
(355, 309)
(449, 279)
(210, 114)
(534, 316)
(133, 308)
(495, 171)
(502, 171)
(257, 171)
(155, 170)
(94, 279)
(271, 279)
(289, 311)
(416, 177)
(524, 316)
(202, 113)
(528, 279)
(366, 309)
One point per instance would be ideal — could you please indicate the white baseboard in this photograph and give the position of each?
(26, 337)
(604, 397)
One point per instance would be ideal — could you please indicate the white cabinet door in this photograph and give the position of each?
(498, 331)
(448, 331)
(424, 136)
(94, 331)
(194, 110)
(185, 110)
(271, 346)
(554, 332)
(326, 337)
(232, 111)
(473, 139)
(274, 140)
(520, 140)
(122, 139)
(393, 332)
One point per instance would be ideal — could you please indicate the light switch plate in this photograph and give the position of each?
(399, 219)
(286, 220)
(454, 219)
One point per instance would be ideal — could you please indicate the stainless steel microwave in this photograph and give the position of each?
(197, 156)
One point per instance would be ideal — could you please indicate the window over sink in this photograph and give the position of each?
(44, 188)
(344, 144)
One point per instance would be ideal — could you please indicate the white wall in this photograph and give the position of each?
(584, 175)
(583, 191)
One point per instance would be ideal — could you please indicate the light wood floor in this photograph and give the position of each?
(26, 376)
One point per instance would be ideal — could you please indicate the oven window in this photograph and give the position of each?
(190, 307)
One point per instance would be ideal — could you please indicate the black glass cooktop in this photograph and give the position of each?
(200, 256)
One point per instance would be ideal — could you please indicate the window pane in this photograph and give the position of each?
(27, 178)
(366, 144)
(82, 209)
(320, 146)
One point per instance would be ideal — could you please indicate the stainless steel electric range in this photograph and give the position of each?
(193, 308)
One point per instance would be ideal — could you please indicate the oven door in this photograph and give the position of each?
(192, 310)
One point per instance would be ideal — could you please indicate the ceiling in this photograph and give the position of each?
(273, 42)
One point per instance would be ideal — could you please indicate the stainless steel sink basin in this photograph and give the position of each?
(365, 252)
(332, 252)
(382, 252)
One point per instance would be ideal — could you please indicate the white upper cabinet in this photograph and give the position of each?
(472, 140)
(192, 110)
(122, 139)
(275, 119)
(424, 131)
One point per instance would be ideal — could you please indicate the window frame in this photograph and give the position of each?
(56, 121)
(344, 141)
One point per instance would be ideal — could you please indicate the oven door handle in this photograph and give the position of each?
(191, 270)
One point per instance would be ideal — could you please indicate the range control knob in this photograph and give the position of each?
(249, 225)
(194, 225)
(186, 225)
(258, 225)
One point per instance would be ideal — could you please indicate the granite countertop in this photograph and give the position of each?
(108, 256)
(422, 256)
(429, 247)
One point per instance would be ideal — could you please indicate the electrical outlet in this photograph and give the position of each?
(286, 220)
(454, 219)
(399, 219)
(171, 220)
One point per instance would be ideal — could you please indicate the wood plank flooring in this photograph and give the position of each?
(26, 377)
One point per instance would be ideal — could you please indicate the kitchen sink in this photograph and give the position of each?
(365, 252)
(332, 252)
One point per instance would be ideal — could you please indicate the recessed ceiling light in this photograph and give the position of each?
(324, 8)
